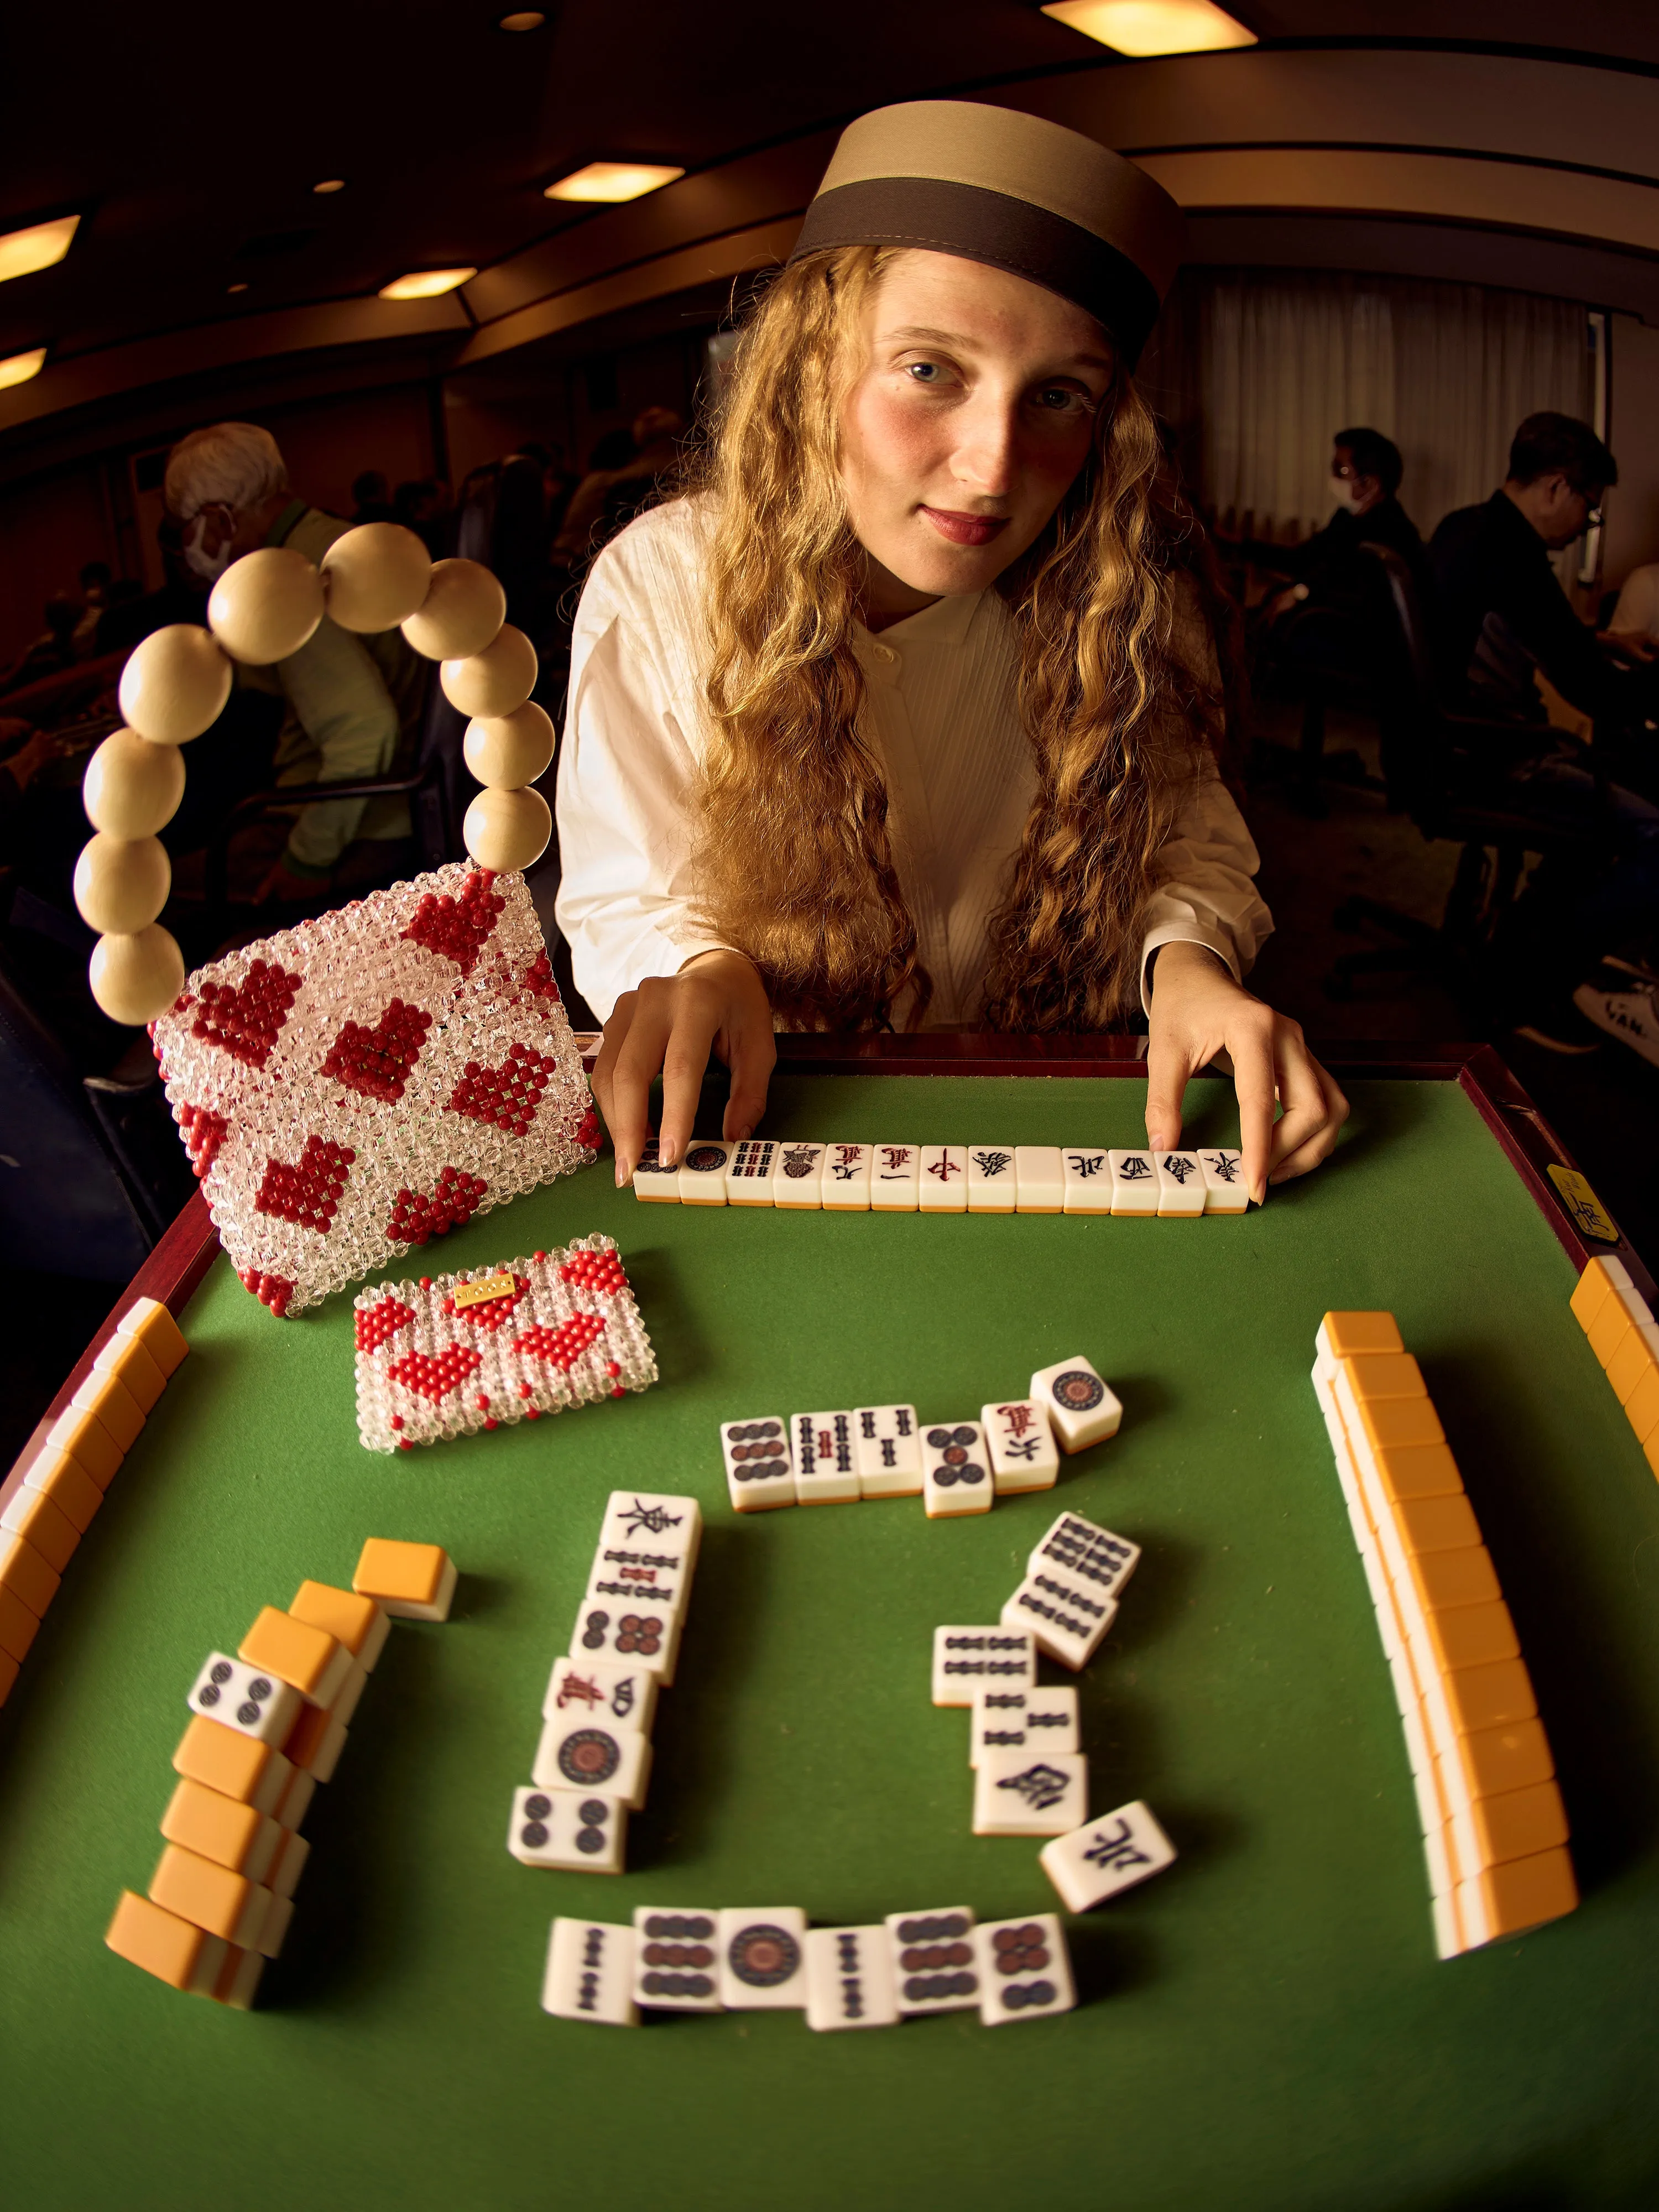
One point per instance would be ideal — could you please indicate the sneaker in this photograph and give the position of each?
(1631, 1016)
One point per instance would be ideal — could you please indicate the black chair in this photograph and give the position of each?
(1443, 767)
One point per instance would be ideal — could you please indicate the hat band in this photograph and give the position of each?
(994, 227)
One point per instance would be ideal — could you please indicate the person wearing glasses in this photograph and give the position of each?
(1503, 617)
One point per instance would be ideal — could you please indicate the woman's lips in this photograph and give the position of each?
(965, 529)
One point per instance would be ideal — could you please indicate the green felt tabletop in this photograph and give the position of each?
(1265, 2026)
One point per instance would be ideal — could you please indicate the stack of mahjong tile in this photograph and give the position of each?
(451, 1354)
(947, 1178)
(704, 1959)
(592, 1765)
(1031, 1776)
(885, 1451)
(1619, 1325)
(266, 1727)
(1494, 1829)
(60, 1483)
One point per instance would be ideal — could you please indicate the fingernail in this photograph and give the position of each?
(1260, 1193)
(669, 1155)
(743, 1133)
(624, 1169)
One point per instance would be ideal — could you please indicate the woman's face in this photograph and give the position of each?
(975, 411)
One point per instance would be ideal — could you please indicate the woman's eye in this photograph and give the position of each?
(1057, 399)
(924, 372)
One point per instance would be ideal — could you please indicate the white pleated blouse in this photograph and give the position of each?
(943, 720)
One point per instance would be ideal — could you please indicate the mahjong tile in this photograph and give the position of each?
(763, 1959)
(620, 1695)
(944, 1179)
(1068, 1619)
(1025, 1969)
(887, 1450)
(639, 1573)
(1040, 1720)
(759, 1473)
(704, 1172)
(1022, 1447)
(1087, 1552)
(590, 1974)
(239, 1697)
(1088, 1180)
(826, 1473)
(992, 1183)
(652, 1180)
(1180, 1186)
(578, 1831)
(969, 1660)
(798, 1177)
(1135, 1185)
(849, 1979)
(748, 1173)
(1224, 1190)
(677, 1958)
(1030, 1793)
(1039, 1179)
(956, 1470)
(895, 1178)
(666, 1521)
(1103, 1857)
(1081, 1409)
(845, 1182)
(575, 1752)
(635, 1633)
(934, 1965)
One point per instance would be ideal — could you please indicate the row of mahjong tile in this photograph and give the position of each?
(688, 1959)
(885, 1451)
(1494, 1828)
(64, 1479)
(593, 1764)
(946, 1178)
(266, 1728)
(1625, 1338)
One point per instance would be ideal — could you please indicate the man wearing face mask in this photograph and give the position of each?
(1329, 573)
(345, 699)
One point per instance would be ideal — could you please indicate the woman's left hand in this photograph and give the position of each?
(1199, 1014)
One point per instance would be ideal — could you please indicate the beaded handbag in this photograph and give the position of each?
(352, 1087)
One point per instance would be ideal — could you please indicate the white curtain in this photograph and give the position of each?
(1257, 368)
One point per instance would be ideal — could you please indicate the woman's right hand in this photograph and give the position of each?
(717, 1002)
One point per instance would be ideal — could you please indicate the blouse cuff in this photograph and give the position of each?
(1185, 932)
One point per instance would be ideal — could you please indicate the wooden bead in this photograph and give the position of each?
(121, 884)
(508, 750)
(376, 576)
(266, 605)
(132, 787)
(175, 685)
(135, 979)
(464, 608)
(507, 829)
(495, 683)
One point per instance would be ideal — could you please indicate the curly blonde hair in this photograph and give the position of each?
(792, 854)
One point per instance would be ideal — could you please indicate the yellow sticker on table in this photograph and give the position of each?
(479, 1293)
(1590, 1217)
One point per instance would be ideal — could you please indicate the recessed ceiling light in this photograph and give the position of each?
(612, 181)
(1152, 27)
(525, 19)
(236, 288)
(22, 367)
(24, 252)
(426, 284)
(330, 185)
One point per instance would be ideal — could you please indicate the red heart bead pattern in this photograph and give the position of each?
(506, 1097)
(245, 1019)
(377, 1322)
(458, 928)
(435, 1378)
(203, 1132)
(599, 1271)
(589, 1135)
(378, 1061)
(564, 1345)
(272, 1291)
(417, 1216)
(538, 978)
(307, 1192)
(492, 1312)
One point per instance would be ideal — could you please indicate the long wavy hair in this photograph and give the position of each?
(1119, 690)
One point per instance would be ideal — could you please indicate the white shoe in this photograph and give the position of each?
(1630, 1015)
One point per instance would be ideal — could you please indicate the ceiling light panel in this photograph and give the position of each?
(426, 284)
(22, 367)
(24, 252)
(1143, 27)
(610, 181)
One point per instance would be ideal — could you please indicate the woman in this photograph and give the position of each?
(906, 712)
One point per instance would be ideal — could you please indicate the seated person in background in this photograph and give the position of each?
(95, 581)
(422, 506)
(346, 700)
(906, 712)
(608, 498)
(53, 651)
(1634, 630)
(373, 497)
(1503, 615)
